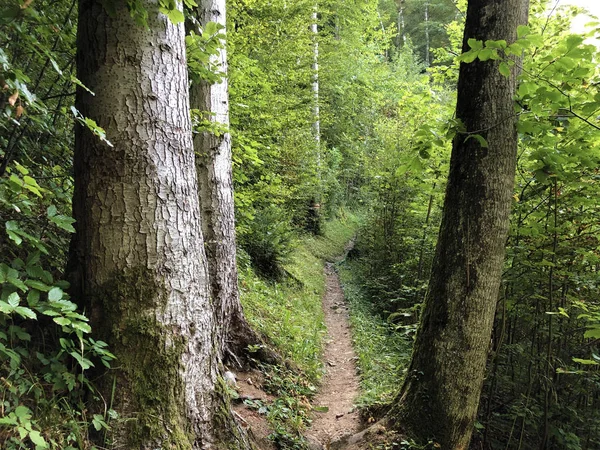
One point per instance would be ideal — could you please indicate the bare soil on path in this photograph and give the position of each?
(340, 385)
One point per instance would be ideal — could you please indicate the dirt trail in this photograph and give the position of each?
(340, 383)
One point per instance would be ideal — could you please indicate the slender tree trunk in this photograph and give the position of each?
(213, 164)
(141, 267)
(427, 43)
(441, 392)
(315, 88)
(401, 36)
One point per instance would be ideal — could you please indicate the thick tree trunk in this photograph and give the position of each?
(213, 164)
(440, 396)
(141, 268)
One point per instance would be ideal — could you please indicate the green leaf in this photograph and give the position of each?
(83, 362)
(37, 285)
(592, 333)
(55, 294)
(504, 69)
(475, 44)
(321, 409)
(479, 138)
(469, 57)
(573, 41)
(587, 362)
(522, 30)
(25, 312)
(37, 439)
(63, 321)
(23, 412)
(500, 44)
(17, 283)
(485, 54)
(13, 299)
(64, 222)
(22, 170)
(82, 326)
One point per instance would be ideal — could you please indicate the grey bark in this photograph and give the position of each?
(213, 164)
(315, 88)
(440, 396)
(427, 43)
(140, 266)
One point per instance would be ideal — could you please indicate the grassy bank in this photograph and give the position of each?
(289, 312)
(383, 350)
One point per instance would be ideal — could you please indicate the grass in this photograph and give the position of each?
(289, 312)
(383, 352)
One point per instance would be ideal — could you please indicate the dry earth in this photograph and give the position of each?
(340, 384)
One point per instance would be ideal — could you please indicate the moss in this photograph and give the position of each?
(228, 433)
(149, 390)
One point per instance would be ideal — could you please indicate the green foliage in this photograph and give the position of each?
(45, 343)
(269, 241)
(290, 314)
(289, 311)
(201, 50)
(383, 348)
(274, 148)
(542, 369)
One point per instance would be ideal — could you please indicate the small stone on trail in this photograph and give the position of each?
(229, 378)
(337, 416)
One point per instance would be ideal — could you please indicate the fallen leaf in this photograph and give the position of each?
(19, 111)
(13, 98)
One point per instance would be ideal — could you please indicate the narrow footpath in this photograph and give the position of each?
(340, 384)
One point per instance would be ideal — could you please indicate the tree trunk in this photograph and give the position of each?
(141, 268)
(427, 43)
(314, 28)
(441, 392)
(213, 165)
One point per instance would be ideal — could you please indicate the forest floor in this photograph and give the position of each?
(334, 415)
(340, 383)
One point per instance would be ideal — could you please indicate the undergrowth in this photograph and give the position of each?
(289, 312)
(383, 348)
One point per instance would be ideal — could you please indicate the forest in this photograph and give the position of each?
(291, 224)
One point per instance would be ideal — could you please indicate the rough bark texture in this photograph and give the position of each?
(440, 396)
(138, 253)
(213, 164)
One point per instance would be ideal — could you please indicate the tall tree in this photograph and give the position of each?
(139, 253)
(441, 392)
(213, 165)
